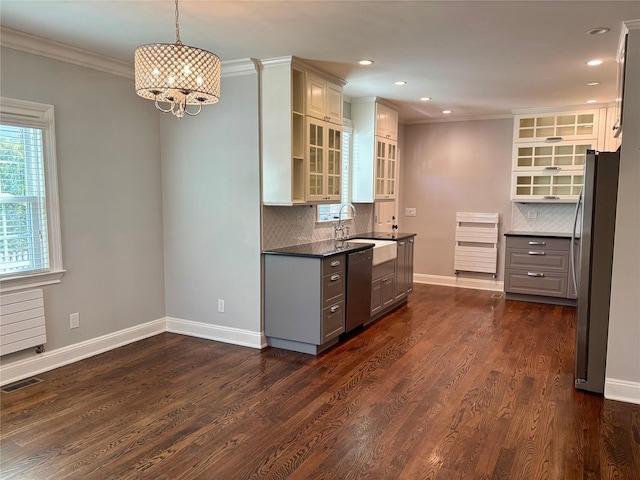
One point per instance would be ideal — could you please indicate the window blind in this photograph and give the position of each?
(23, 212)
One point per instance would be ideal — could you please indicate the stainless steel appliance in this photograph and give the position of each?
(599, 197)
(359, 269)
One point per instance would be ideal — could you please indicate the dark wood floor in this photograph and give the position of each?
(457, 384)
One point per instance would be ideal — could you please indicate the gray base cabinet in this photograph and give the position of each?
(392, 281)
(304, 301)
(538, 268)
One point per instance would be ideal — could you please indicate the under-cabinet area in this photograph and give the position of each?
(316, 292)
(541, 267)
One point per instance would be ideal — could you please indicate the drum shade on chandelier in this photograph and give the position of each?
(177, 74)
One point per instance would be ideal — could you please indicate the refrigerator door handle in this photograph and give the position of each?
(572, 245)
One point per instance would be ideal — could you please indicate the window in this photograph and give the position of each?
(329, 212)
(30, 253)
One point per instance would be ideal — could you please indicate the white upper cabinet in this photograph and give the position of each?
(301, 154)
(375, 151)
(557, 126)
(386, 122)
(324, 99)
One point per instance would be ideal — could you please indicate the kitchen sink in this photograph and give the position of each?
(383, 250)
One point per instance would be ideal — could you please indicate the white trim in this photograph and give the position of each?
(59, 51)
(44, 47)
(30, 281)
(46, 361)
(460, 282)
(622, 390)
(566, 108)
(449, 119)
(235, 336)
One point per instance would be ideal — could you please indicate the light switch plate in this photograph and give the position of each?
(409, 212)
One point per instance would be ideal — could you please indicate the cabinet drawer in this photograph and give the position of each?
(536, 283)
(332, 321)
(332, 288)
(538, 259)
(539, 243)
(334, 263)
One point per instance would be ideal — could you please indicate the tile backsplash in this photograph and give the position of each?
(557, 217)
(286, 226)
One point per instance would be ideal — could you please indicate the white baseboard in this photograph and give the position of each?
(235, 336)
(622, 390)
(59, 357)
(43, 362)
(461, 282)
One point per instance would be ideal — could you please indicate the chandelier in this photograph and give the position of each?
(177, 74)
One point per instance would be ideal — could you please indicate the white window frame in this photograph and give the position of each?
(346, 213)
(38, 115)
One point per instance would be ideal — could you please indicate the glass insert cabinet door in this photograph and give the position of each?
(334, 163)
(315, 177)
(567, 125)
(534, 156)
(391, 170)
(381, 153)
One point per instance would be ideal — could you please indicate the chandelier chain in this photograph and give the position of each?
(178, 41)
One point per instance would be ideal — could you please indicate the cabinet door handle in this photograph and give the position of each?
(335, 308)
(553, 168)
(410, 241)
(553, 139)
(335, 277)
(534, 274)
(335, 263)
(400, 243)
(551, 197)
(534, 252)
(538, 243)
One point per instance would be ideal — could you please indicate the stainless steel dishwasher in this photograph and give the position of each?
(358, 288)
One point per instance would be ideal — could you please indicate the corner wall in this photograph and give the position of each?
(211, 207)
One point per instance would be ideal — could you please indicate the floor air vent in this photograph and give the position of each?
(20, 385)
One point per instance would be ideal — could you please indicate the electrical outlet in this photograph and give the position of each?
(221, 306)
(409, 212)
(74, 320)
(533, 214)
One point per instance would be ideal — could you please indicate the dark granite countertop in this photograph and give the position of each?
(319, 249)
(519, 233)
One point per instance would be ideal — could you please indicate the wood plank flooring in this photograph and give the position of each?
(458, 384)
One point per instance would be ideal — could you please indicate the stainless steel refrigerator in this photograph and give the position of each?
(599, 196)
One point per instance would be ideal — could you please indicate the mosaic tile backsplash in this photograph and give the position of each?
(557, 217)
(286, 226)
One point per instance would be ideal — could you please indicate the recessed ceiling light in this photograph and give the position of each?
(593, 84)
(592, 101)
(598, 31)
(365, 62)
(593, 63)
(425, 99)
(446, 111)
(400, 82)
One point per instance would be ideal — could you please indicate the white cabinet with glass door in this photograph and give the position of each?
(386, 163)
(324, 166)
(548, 155)
(375, 151)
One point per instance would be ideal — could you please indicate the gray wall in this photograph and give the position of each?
(447, 168)
(211, 204)
(108, 156)
(623, 355)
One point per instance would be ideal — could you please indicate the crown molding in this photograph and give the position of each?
(59, 51)
(456, 119)
(26, 42)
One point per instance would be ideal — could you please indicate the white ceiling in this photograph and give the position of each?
(477, 58)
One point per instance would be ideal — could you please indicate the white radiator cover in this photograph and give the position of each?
(476, 242)
(22, 323)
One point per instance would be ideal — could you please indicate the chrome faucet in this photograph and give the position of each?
(338, 226)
